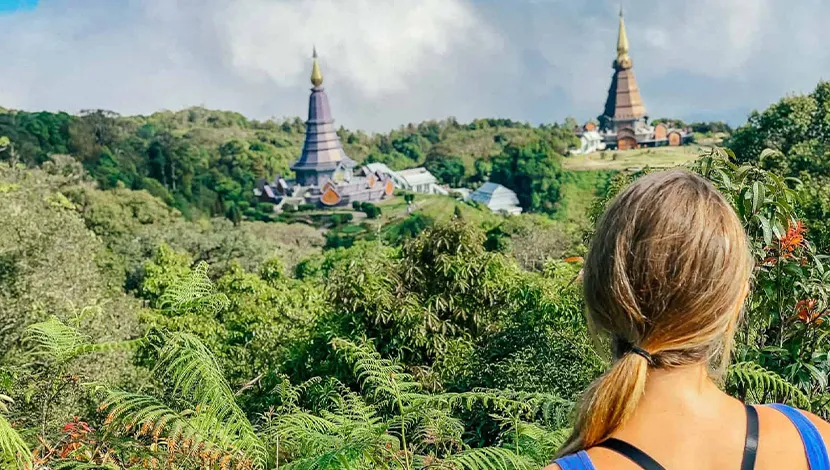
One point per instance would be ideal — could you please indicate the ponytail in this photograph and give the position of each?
(667, 271)
(608, 403)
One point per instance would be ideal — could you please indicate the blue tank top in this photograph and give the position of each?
(817, 456)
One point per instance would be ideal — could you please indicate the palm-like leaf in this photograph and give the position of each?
(196, 376)
(194, 291)
(13, 450)
(754, 379)
(489, 458)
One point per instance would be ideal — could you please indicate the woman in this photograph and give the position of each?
(665, 279)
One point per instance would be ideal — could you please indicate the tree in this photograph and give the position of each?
(792, 138)
(447, 170)
(234, 214)
(483, 170)
(533, 172)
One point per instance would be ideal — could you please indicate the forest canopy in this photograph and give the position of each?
(143, 329)
(207, 163)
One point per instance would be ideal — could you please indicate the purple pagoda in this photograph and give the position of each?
(325, 175)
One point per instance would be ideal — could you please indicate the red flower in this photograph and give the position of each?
(77, 428)
(806, 311)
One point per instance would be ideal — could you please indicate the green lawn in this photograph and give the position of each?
(657, 157)
(438, 208)
(578, 192)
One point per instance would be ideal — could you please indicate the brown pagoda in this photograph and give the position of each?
(624, 124)
(624, 105)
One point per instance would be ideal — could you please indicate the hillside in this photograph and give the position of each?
(657, 157)
(129, 324)
(206, 163)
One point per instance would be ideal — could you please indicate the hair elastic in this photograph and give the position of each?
(642, 353)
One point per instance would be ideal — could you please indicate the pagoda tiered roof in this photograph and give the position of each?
(624, 102)
(322, 149)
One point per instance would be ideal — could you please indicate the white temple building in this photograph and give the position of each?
(417, 180)
(497, 198)
(589, 142)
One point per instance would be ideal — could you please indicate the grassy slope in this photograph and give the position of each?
(439, 208)
(658, 157)
(579, 189)
(586, 174)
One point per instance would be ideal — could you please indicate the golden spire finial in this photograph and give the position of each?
(316, 75)
(623, 60)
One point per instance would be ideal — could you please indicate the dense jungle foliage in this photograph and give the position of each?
(206, 163)
(140, 333)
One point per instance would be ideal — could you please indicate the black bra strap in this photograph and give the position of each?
(751, 446)
(647, 463)
(632, 453)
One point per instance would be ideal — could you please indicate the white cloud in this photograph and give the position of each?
(390, 62)
(248, 55)
(375, 47)
(710, 37)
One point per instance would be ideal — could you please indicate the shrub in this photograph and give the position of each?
(336, 240)
(372, 211)
(340, 219)
(306, 207)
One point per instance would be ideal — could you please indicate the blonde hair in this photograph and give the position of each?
(665, 274)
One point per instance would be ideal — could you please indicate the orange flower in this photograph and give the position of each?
(806, 311)
(793, 239)
(574, 259)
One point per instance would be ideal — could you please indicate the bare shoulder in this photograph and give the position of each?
(774, 423)
(822, 425)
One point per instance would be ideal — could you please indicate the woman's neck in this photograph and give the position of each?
(685, 391)
(688, 382)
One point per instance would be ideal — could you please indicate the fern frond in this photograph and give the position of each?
(353, 408)
(487, 458)
(753, 378)
(195, 291)
(438, 430)
(552, 409)
(131, 412)
(75, 465)
(381, 378)
(303, 434)
(358, 453)
(196, 376)
(54, 340)
(12, 447)
(535, 441)
(318, 443)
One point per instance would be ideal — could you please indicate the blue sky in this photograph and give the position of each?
(16, 5)
(398, 61)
